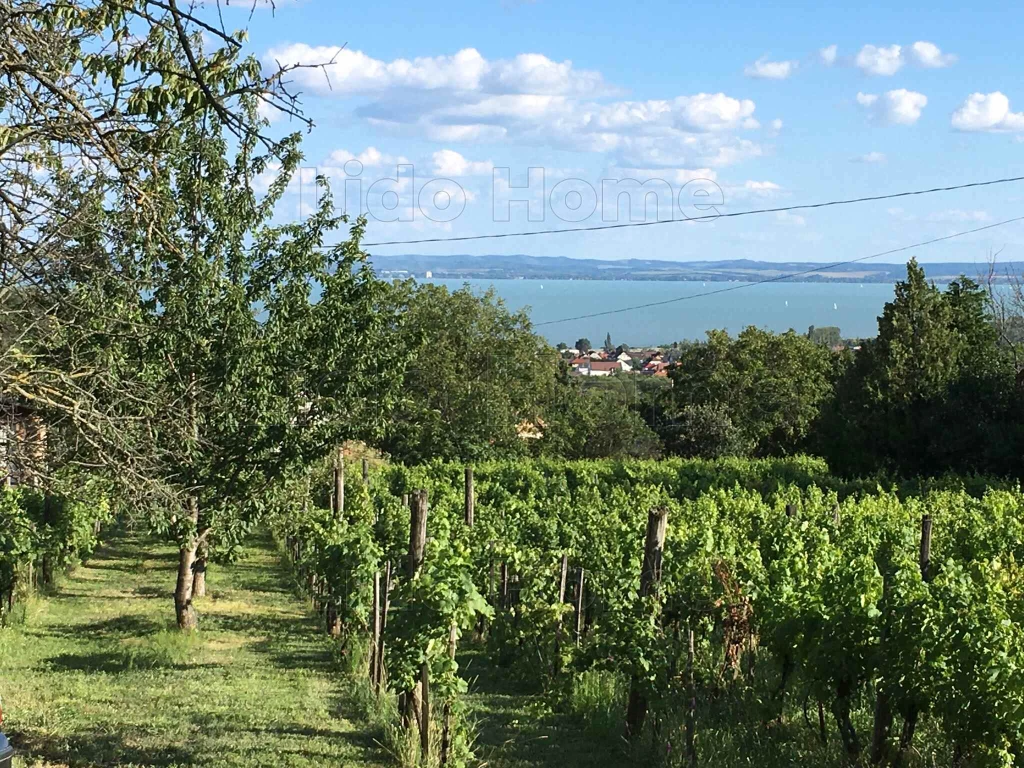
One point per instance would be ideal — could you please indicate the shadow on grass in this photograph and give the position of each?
(99, 750)
(117, 627)
(119, 660)
(515, 727)
(146, 591)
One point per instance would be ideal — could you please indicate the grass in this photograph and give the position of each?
(97, 676)
(517, 725)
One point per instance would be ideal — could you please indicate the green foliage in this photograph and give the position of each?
(803, 593)
(585, 422)
(476, 374)
(826, 336)
(934, 391)
(771, 385)
(704, 431)
(58, 528)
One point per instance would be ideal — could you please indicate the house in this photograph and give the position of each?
(653, 367)
(600, 368)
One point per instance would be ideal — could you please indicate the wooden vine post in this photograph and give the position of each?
(691, 709)
(470, 499)
(925, 564)
(339, 484)
(577, 618)
(563, 578)
(650, 578)
(414, 703)
(883, 706)
(453, 635)
(377, 675)
(375, 628)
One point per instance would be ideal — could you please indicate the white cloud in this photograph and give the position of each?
(677, 149)
(872, 158)
(529, 100)
(677, 176)
(828, 55)
(331, 69)
(961, 216)
(874, 60)
(371, 157)
(776, 125)
(929, 55)
(791, 218)
(770, 70)
(448, 162)
(752, 190)
(898, 107)
(763, 188)
(714, 112)
(987, 112)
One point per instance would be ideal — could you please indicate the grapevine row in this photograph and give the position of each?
(761, 570)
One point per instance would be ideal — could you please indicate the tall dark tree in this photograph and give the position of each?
(933, 391)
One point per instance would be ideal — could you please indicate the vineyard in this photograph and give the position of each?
(887, 622)
(42, 533)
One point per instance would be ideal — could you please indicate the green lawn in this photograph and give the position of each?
(98, 677)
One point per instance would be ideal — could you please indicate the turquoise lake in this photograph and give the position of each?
(773, 306)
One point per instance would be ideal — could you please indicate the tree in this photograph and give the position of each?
(826, 336)
(772, 386)
(91, 92)
(583, 345)
(205, 326)
(933, 391)
(585, 422)
(476, 379)
(705, 431)
(608, 346)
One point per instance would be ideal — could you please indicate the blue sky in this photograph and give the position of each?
(746, 103)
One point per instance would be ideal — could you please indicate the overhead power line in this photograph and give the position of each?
(779, 278)
(708, 217)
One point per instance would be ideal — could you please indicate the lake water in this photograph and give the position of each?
(773, 306)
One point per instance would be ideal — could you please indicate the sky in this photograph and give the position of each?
(429, 119)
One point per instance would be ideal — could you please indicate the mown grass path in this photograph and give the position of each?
(516, 726)
(97, 676)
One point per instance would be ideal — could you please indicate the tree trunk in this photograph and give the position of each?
(650, 577)
(199, 572)
(847, 732)
(46, 565)
(183, 608)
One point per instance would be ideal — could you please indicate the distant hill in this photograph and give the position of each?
(464, 267)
